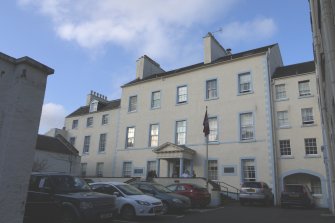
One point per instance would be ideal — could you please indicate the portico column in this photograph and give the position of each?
(158, 167)
(191, 166)
(181, 166)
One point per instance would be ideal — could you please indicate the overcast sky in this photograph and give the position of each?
(94, 44)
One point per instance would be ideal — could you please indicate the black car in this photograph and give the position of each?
(60, 198)
(171, 201)
(296, 195)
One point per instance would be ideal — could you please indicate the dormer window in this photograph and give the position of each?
(94, 106)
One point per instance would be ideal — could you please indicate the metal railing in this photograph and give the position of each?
(228, 189)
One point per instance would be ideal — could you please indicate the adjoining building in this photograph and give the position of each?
(323, 28)
(56, 154)
(262, 128)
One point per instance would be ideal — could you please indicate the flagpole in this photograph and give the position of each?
(207, 160)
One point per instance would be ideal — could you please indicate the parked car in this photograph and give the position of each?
(256, 192)
(65, 199)
(296, 195)
(130, 201)
(171, 201)
(198, 195)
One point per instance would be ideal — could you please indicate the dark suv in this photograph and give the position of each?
(60, 198)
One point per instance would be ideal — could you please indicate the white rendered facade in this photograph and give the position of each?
(158, 125)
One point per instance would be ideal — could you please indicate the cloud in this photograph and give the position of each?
(53, 116)
(248, 32)
(150, 27)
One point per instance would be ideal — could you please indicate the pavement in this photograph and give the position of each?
(242, 214)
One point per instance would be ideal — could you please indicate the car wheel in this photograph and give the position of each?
(128, 212)
(68, 217)
(165, 208)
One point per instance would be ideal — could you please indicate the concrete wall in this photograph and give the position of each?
(22, 87)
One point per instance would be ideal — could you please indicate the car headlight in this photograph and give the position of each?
(85, 205)
(175, 200)
(143, 203)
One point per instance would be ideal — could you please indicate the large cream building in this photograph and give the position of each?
(254, 136)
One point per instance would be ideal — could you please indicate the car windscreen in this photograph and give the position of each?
(69, 184)
(252, 184)
(161, 188)
(129, 189)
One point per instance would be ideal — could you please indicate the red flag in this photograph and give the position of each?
(206, 125)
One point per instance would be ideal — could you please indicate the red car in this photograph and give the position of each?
(199, 195)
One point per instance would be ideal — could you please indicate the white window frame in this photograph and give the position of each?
(181, 132)
(132, 106)
(307, 116)
(75, 123)
(104, 119)
(213, 127)
(304, 88)
(102, 143)
(244, 86)
(153, 135)
(285, 147)
(280, 91)
(155, 99)
(86, 147)
(247, 128)
(99, 169)
(211, 90)
(310, 146)
(282, 117)
(182, 94)
(130, 137)
(213, 169)
(127, 169)
(89, 122)
(248, 167)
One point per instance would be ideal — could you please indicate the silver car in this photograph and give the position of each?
(256, 192)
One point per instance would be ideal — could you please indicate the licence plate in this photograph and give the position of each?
(106, 215)
(251, 190)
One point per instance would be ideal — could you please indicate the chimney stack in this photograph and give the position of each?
(95, 96)
(212, 49)
(145, 67)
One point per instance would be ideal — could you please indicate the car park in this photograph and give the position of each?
(171, 201)
(199, 196)
(256, 192)
(130, 201)
(296, 195)
(63, 198)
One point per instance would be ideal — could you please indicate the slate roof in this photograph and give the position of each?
(101, 107)
(55, 144)
(294, 69)
(199, 65)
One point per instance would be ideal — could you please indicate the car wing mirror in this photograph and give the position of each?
(116, 194)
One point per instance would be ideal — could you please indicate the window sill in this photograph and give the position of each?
(210, 99)
(282, 99)
(91, 126)
(130, 112)
(104, 124)
(247, 140)
(285, 127)
(155, 108)
(213, 142)
(181, 103)
(306, 96)
(312, 156)
(287, 157)
(102, 152)
(245, 93)
(85, 154)
(308, 125)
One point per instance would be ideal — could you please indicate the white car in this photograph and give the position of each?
(130, 201)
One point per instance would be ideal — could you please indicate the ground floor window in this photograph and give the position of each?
(212, 169)
(100, 167)
(151, 166)
(249, 170)
(83, 169)
(316, 186)
(126, 172)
